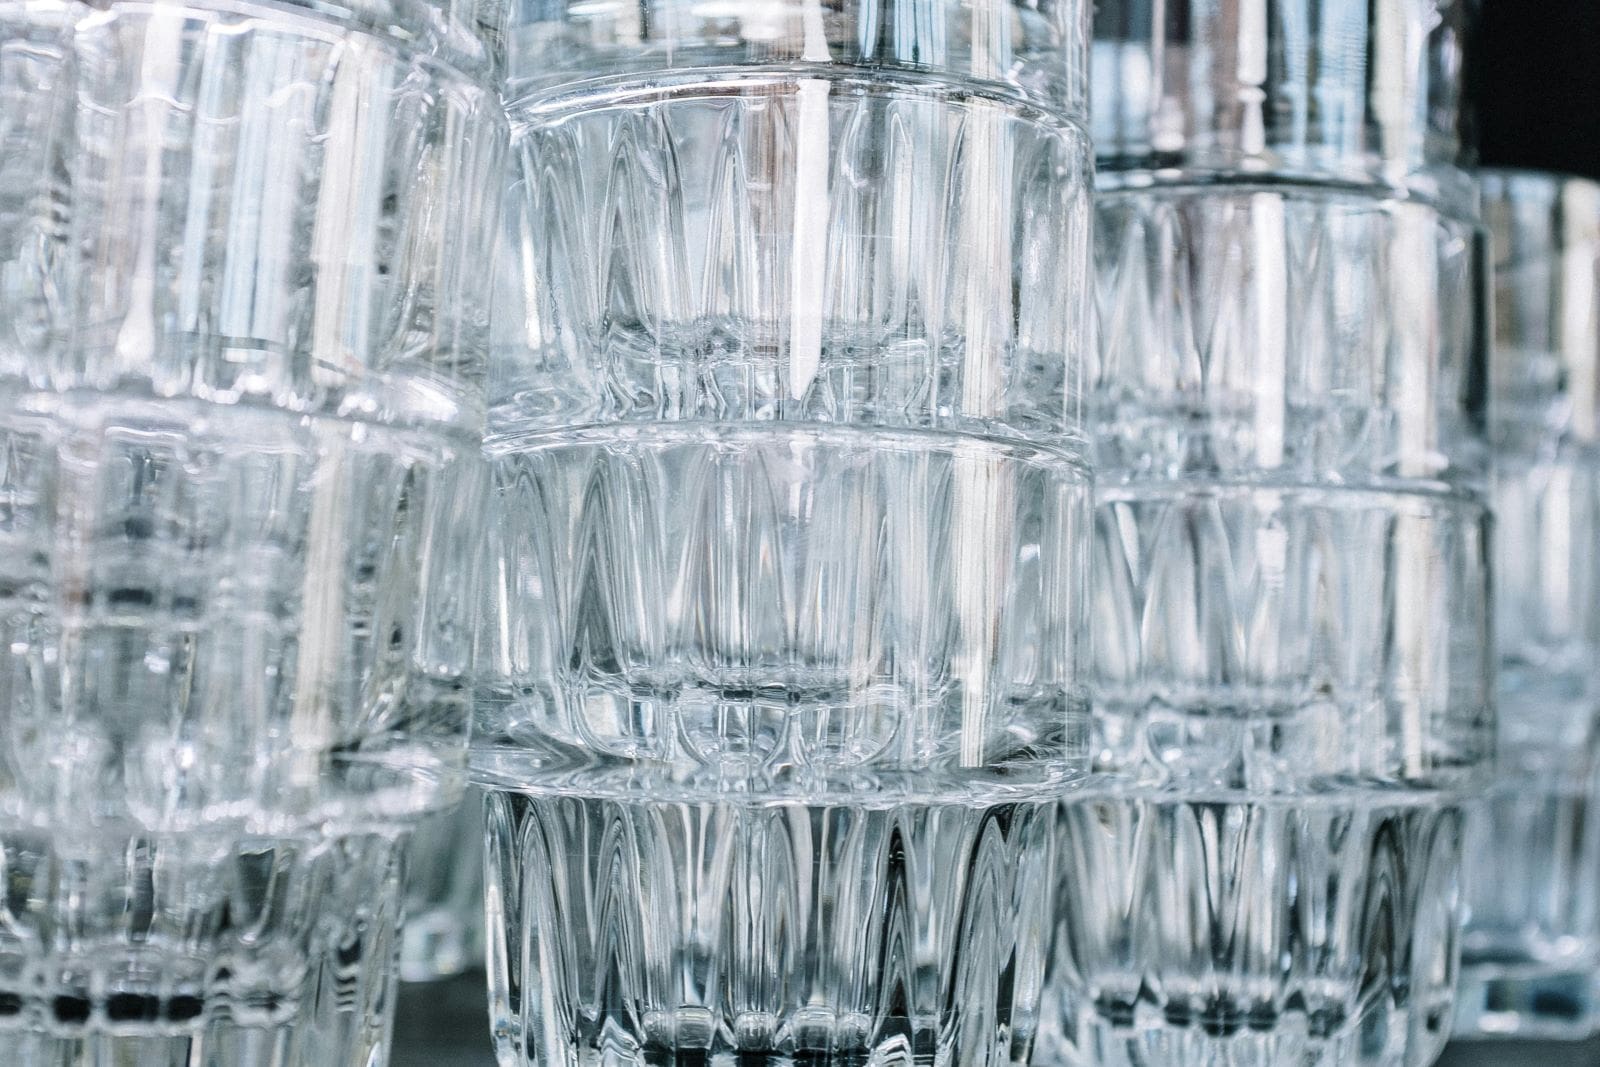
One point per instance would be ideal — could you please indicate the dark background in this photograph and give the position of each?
(1535, 84)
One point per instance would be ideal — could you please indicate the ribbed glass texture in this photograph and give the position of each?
(1531, 956)
(1289, 334)
(789, 529)
(1350, 91)
(200, 949)
(1292, 681)
(246, 204)
(241, 400)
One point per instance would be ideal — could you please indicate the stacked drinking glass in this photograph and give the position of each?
(1531, 955)
(1291, 604)
(782, 665)
(241, 400)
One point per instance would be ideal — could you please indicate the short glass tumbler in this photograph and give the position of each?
(1291, 626)
(790, 529)
(1531, 954)
(241, 401)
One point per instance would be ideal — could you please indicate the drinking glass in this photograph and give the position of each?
(1356, 92)
(443, 934)
(241, 402)
(783, 658)
(1531, 954)
(1291, 608)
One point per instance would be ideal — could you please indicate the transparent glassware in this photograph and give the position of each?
(1292, 682)
(1331, 91)
(1531, 953)
(443, 934)
(789, 529)
(301, 970)
(241, 405)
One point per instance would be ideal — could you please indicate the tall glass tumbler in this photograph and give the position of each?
(1291, 605)
(241, 400)
(1531, 956)
(789, 530)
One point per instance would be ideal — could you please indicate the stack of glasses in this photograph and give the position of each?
(241, 397)
(773, 464)
(1531, 954)
(1290, 582)
(790, 522)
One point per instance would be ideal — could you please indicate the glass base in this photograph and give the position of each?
(1157, 1046)
(1240, 931)
(759, 932)
(300, 949)
(1558, 1005)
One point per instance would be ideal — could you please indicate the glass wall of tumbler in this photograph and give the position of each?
(1292, 679)
(1531, 956)
(443, 935)
(783, 664)
(242, 361)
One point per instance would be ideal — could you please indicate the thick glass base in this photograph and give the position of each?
(1105, 1045)
(748, 931)
(286, 960)
(1530, 954)
(1553, 1005)
(1265, 932)
(443, 934)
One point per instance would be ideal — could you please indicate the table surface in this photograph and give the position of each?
(442, 1025)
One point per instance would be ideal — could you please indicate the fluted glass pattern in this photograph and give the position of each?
(271, 952)
(248, 204)
(1292, 682)
(637, 928)
(1198, 929)
(789, 527)
(1033, 50)
(242, 375)
(1290, 334)
(1345, 91)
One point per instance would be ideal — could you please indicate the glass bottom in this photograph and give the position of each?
(1318, 931)
(443, 934)
(265, 954)
(748, 931)
(1548, 1004)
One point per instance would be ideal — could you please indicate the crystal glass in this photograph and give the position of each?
(444, 894)
(1345, 91)
(1286, 332)
(789, 529)
(1531, 955)
(298, 968)
(241, 401)
(1291, 604)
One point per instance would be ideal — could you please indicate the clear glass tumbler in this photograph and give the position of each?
(1291, 605)
(789, 529)
(1531, 955)
(241, 401)
(1354, 92)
